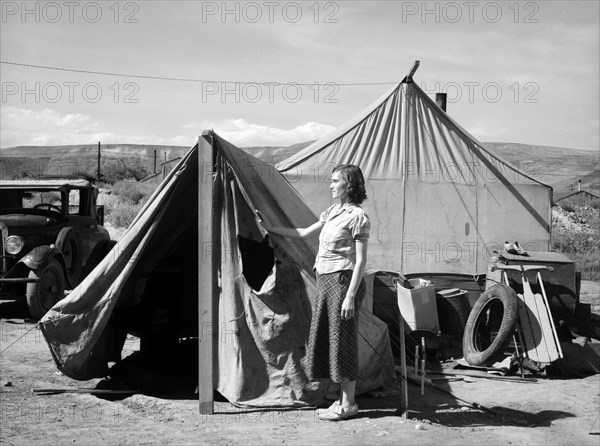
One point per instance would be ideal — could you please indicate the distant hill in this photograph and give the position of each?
(75, 159)
(558, 167)
(79, 159)
(273, 155)
(89, 152)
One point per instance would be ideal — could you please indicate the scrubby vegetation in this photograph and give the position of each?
(118, 212)
(124, 170)
(124, 200)
(570, 204)
(133, 191)
(576, 233)
(17, 168)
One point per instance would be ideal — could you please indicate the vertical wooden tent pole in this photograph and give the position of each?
(403, 139)
(206, 324)
(404, 374)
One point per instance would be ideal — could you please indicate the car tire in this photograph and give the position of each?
(69, 243)
(490, 326)
(48, 290)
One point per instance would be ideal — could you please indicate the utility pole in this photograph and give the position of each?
(98, 174)
(164, 167)
(154, 161)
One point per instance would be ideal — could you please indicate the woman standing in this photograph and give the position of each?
(344, 231)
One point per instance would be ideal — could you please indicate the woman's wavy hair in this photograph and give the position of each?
(355, 182)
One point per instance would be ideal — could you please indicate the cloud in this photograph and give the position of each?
(484, 134)
(242, 133)
(23, 127)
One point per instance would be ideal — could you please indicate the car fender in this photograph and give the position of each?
(40, 255)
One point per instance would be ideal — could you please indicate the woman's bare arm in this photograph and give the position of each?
(299, 233)
(348, 309)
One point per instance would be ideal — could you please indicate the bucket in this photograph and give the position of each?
(418, 306)
(453, 310)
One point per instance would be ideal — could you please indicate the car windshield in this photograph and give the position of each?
(31, 199)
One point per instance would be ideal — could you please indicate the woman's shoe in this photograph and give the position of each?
(339, 413)
(328, 409)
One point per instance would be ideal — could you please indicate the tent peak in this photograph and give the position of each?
(409, 77)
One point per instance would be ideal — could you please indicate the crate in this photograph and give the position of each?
(561, 283)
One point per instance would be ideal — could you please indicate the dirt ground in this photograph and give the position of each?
(551, 411)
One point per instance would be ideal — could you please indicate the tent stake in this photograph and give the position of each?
(447, 392)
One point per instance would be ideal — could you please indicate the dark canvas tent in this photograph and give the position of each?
(186, 241)
(439, 201)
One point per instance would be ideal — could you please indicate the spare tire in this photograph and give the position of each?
(490, 326)
(48, 290)
(69, 243)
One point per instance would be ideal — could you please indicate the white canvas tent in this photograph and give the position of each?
(438, 200)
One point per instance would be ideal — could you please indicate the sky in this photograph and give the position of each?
(277, 73)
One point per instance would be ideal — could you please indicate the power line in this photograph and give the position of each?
(183, 79)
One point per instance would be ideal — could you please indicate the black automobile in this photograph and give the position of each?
(52, 237)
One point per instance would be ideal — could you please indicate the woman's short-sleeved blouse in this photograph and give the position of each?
(342, 225)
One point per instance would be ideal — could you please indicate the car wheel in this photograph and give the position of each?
(69, 242)
(490, 326)
(48, 290)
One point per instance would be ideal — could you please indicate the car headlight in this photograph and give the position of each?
(14, 244)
